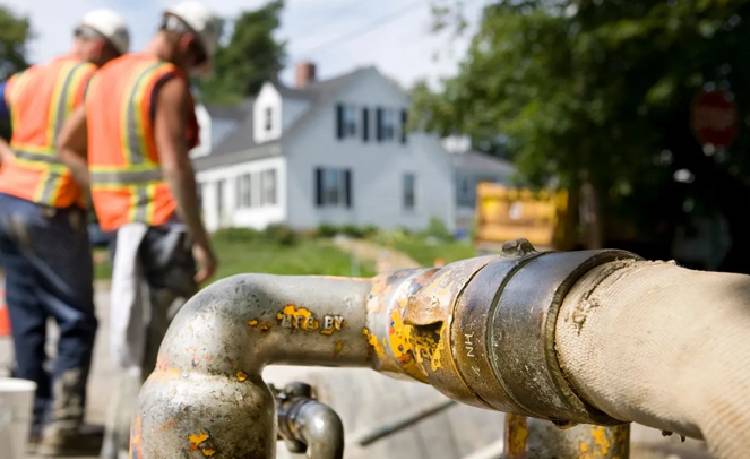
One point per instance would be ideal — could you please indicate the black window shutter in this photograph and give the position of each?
(339, 121)
(365, 124)
(404, 119)
(379, 124)
(348, 188)
(318, 187)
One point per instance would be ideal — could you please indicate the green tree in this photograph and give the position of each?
(599, 93)
(252, 56)
(14, 33)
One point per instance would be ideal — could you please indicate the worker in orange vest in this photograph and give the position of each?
(44, 245)
(131, 145)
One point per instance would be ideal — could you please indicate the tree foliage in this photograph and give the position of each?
(600, 92)
(252, 56)
(14, 33)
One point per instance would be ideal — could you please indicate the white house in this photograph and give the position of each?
(471, 168)
(326, 152)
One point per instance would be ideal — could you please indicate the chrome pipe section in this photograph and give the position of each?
(306, 425)
(482, 331)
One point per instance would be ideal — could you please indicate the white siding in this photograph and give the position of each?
(291, 110)
(377, 168)
(233, 216)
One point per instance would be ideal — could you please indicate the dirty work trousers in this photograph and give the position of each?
(152, 267)
(48, 273)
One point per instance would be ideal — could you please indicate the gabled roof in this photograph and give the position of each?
(241, 137)
(232, 112)
(249, 152)
(315, 89)
(240, 145)
(476, 161)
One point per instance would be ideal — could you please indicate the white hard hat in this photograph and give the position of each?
(201, 20)
(111, 25)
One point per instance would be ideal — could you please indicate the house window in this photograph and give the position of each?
(410, 191)
(268, 187)
(268, 116)
(244, 192)
(466, 193)
(333, 187)
(350, 121)
(346, 121)
(387, 123)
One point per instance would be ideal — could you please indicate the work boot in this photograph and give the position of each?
(66, 435)
(62, 442)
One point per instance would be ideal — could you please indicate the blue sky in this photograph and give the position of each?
(401, 46)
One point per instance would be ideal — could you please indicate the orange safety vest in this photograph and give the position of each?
(126, 177)
(40, 100)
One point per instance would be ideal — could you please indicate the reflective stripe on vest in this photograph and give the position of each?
(118, 178)
(34, 146)
(124, 166)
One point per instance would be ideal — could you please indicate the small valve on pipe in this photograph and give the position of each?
(307, 425)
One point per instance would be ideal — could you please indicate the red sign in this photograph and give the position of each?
(714, 118)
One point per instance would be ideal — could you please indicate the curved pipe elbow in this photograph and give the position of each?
(240, 324)
(206, 391)
(318, 427)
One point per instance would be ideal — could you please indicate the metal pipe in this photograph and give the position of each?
(482, 331)
(531, 438)
(308, 425)
(206, 396)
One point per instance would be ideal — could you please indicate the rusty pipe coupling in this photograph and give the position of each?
(480, 330)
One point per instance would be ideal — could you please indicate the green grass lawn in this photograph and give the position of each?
(305, 256)
(426, 250)
(240, 251)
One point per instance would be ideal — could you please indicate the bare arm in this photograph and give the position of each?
(169, 130)
(5, 152)
(72, 146)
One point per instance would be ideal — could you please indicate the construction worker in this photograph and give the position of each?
(44, 246)
(135, 133)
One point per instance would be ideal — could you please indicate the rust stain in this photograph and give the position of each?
(196, 440)
(338, 347)
(165, 374)
(241, 376)
(601, 441)
(374, 343)
(297, 318)
(518, 433)
(135, 438)
(259, 325)
(201, 442)
(416, 348)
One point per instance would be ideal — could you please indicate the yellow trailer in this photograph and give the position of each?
(504, 213)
